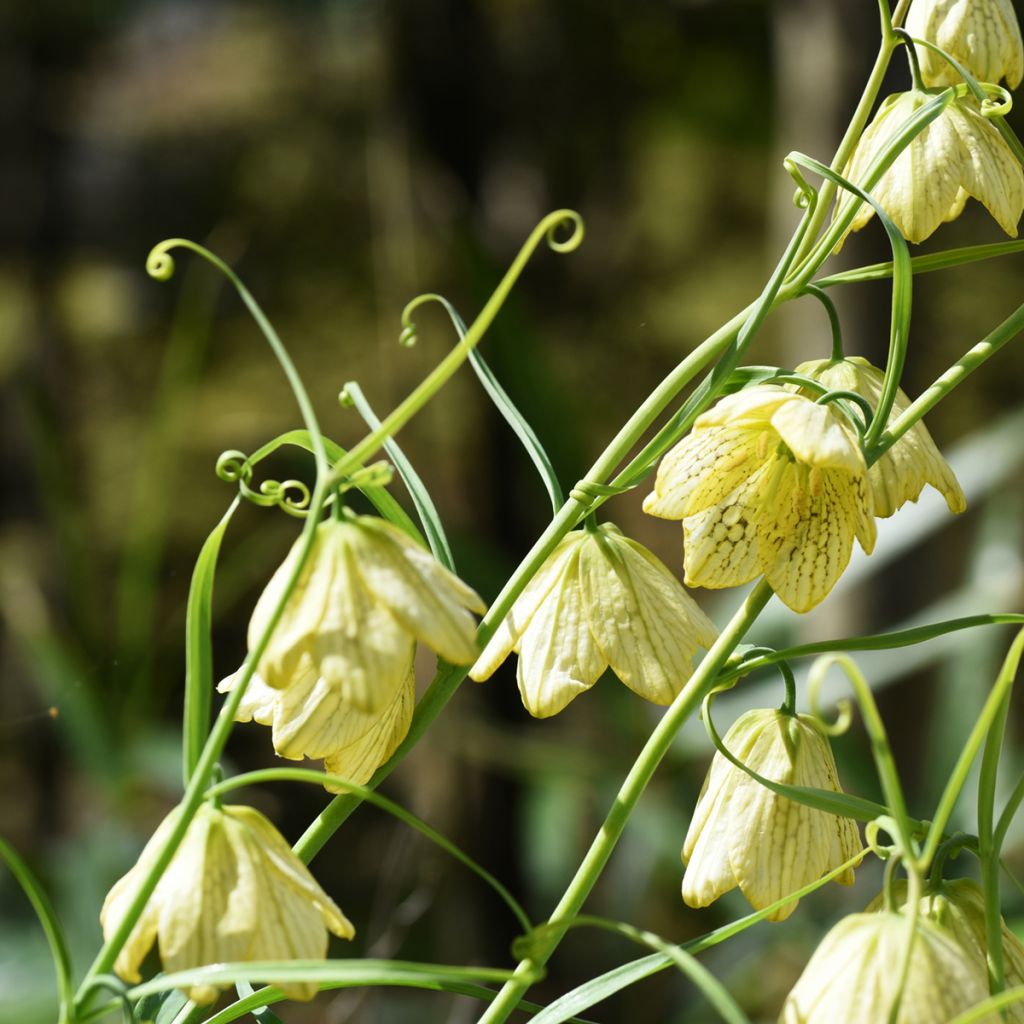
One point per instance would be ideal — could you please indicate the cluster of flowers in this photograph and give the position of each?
(770, 482)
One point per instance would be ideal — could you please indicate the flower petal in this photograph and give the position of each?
(646, 626)
(507, 636)
(721, 544)
(358, 760)
(430, 602)
(558, 658)
(805, 533)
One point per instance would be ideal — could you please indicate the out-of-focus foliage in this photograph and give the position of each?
(345, 156)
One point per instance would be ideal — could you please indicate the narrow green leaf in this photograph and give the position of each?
(340, 973)
(925, 264)
(513, 417)
(47, 918)
(199, 647)
(425, 507)
(271, 994)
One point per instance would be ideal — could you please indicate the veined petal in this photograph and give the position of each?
(990, 172)
(558, 657)
(920, 187)
(358, 760)
(702, 469)
(721, 544)
(417, 590)
(805, 533)
(645, 624)
(509, 632)
(360, 647)
(288, 870)
(982, 35)
(259, 700)
(304, 610)
(816, 435)
(902, 472)
(752, 408)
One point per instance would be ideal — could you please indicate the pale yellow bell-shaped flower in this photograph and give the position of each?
(901, 473)
(958, 155)
(234, 891)
(312, 719)
(743, 834)
(366, 593)
(768, 482)
(982, 35)
(599, 600)
(854, 976)
(958, 908)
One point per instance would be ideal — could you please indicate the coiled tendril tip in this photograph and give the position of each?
(345, 399)
(407, 339)
(160, 263)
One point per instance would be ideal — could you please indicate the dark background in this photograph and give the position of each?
(345, 156)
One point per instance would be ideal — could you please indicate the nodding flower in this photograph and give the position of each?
(856, 976)
(233, 891)
(744, 834)
(957, 156)
(982, 35)
(902, 472)
(768, 482)
(366, 593)
(957, 907)
(599, 600)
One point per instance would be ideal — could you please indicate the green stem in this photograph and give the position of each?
(632, 789)
(988, 729)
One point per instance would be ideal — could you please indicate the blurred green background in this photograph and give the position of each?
(345, 156)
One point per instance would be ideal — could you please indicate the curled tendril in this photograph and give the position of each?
(160, 263)
(377, 474)
(547, 230)
(883, 851)
(998, 102)
(806, 195)
(586, 491)
(291, 496)
(233, 466)
(950, 849)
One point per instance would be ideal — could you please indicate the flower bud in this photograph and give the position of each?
(901, 473)
(233, 891)
(768, 482)
(982, 35)
(855, 975)
(743, 834)
(365, 594)
(599, 600)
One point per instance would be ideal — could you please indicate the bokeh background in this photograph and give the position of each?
(345, 156)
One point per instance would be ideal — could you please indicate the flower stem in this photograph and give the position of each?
(632, 789)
